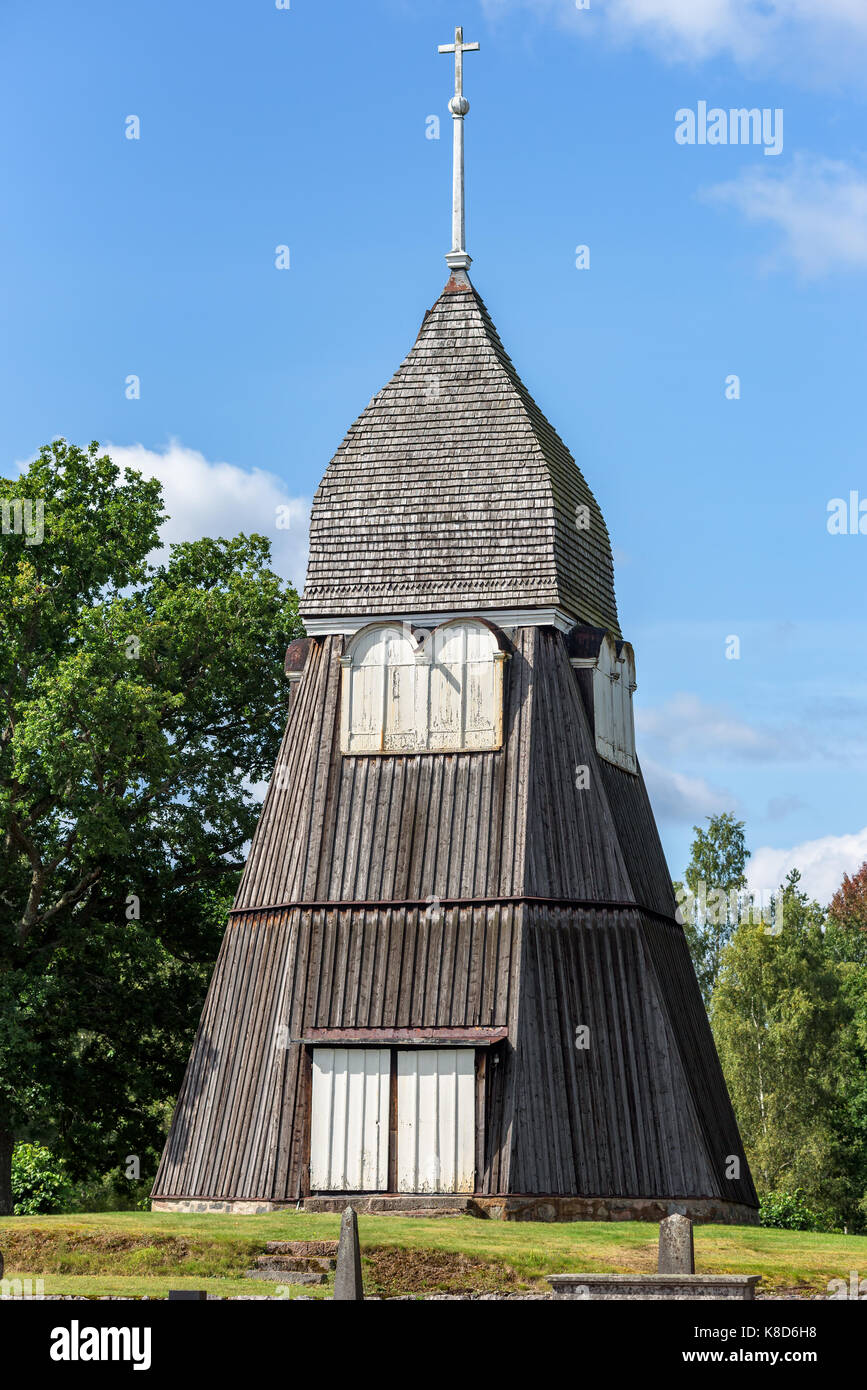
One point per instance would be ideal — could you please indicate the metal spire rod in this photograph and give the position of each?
(457, 258)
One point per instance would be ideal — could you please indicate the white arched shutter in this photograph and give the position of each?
(443, 696)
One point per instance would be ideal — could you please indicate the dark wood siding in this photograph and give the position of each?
(573, 850)
(638, 838)
(632, 1115)
(339, 828)
(680, 999)
(356, 911)
(240, 1128)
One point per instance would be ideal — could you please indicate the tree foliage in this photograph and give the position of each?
(40, 1183)
(140, 704)
(709, 895)
(787, 999)
(784, 1027)
(848, 908)
(787, 1211)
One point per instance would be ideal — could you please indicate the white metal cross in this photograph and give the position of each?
(459, 48)
(457, 259)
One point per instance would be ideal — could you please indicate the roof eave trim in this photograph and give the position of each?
(500, 617)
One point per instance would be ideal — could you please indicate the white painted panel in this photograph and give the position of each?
(398, 697)
(436, 1109)
(613, 684)
(604, 697)
(349, 1121)
(382, 679)
(400, 706)
(626, 738)
(479, 707)
(449, 644)
(367, 699)
(481, 643)
(379, 645)
(446, 701)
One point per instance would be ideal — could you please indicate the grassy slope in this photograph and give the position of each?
(143, 1252)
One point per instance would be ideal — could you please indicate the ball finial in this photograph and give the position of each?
(459, 106)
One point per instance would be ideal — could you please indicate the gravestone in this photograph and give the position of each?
(676, 1254)
(347, 1279)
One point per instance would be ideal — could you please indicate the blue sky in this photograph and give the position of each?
(262, 127)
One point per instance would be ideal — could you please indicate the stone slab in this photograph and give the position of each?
(286, 1276)
(653, 1286)
(311, 1264)
(387, 1204)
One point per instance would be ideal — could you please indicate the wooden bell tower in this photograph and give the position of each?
(453, 972)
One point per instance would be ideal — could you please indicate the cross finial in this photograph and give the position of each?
(457, 258)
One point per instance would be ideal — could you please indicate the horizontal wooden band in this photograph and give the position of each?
(435, 904)
(413, 1037)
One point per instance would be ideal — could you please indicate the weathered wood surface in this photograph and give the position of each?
(353, 913)
(642, 1109)
(401, 827)
(452, 490)
(240, 1126)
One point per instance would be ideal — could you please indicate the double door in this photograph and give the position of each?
(382, 1110)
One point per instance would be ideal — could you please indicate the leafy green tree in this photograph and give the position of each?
(140, 704)
(709, 896)
(783, 1028)
(846, 941)
(39, 1181)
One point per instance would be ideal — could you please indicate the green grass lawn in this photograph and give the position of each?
(151, 1252)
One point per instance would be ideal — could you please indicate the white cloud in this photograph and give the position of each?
(676, 797)
(221, 499)
(685, 724)
(818, 207)
(693, 28)
(822, 864)
(819, 36)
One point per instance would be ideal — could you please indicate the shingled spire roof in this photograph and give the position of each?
(453, 492)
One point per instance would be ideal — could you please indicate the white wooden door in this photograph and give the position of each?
(436, 1120)
(349, 1123)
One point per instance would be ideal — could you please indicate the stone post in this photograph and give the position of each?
(347, 1278)
(676, 1254)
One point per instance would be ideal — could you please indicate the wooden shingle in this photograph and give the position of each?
(452, 491)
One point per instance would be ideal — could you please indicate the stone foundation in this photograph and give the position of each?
(710, 1211)
(706, 1210)
(231, 1208)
